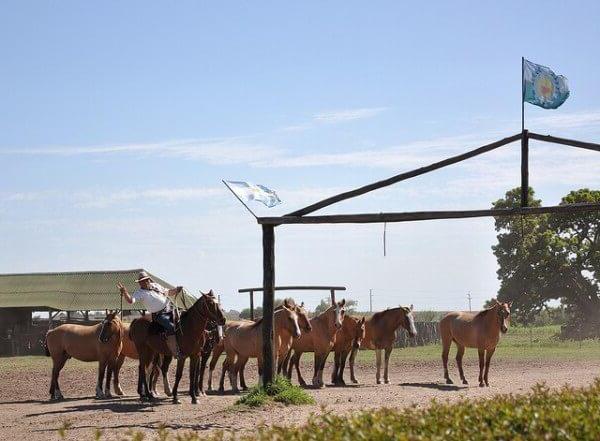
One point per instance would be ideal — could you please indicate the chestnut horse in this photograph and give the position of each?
(479, 330)
(319, 340)
(101, 343)
(380, 334)
(243, 340)
(349, 337)
(190, 336)
(129, 351)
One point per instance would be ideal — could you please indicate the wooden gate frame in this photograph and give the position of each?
(299, 217)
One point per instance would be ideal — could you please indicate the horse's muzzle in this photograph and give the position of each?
(504, 329)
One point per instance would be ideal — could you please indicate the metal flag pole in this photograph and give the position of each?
(522, 94)
(238, 198)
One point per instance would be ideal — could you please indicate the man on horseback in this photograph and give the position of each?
(155, 298)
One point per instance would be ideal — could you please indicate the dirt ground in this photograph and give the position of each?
(25, 411)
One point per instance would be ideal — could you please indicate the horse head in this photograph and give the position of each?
(290, 318)
(359, 333)
(109, 327)
(409, 320)
(340, 312)
(209, 305)
(503, 310)
(303, 320)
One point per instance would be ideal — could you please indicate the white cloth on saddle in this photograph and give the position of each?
(154, 299)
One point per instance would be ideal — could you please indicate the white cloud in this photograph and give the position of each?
(337, 116)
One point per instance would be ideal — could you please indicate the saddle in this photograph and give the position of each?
(156, 329)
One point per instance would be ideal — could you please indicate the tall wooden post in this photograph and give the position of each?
(268, 369)
(251, 305)
(524, 168)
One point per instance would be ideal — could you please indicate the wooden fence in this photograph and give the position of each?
(427, 333)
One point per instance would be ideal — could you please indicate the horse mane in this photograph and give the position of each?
(485, 311)
(379, 315)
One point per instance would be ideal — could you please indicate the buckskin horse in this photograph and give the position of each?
(243, 340)
(479, 330)
(380, 334)
(101, 343)
(319, 340)
(190, 336)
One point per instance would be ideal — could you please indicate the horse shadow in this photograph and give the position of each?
(436, 386)
(116, 406)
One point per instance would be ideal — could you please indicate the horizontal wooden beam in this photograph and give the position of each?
(297, 288)
(425, 215)
(565, 141)
(404, 176)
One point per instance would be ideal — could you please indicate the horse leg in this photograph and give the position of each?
(378, 364)
(194, 366)
(242, 378)
(336, 367)
(101, 370)
(236, 371)
(488, 358)
(481, 353)
(285, 365)
(118, 366)
(343, 358)
(164, 368)
(57, 364)
(178, 374)
(352, 360)
(445, 351)
(202, 369)
(224, 369)
(460, 351)
(110, 367)
(386, 377)
(296, 362)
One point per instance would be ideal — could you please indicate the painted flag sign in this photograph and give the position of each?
(542, 87)
(247, 192)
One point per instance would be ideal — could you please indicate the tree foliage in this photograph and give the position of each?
(551, 257)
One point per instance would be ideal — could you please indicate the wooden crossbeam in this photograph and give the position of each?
(404, 176)
(573, 143)
(366, 218)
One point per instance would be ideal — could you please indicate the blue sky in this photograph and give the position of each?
(118, 121)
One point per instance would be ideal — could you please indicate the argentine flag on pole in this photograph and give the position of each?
(247, 192)
(542, 87)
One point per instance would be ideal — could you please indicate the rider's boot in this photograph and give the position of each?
(173, 346)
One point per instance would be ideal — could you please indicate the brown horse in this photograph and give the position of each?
(303, 323)
(380, 334)
(349, 337)
(479, 330)
(101, 343)
(129, 351)
(243, 340)
(190, 335)
(319, 340)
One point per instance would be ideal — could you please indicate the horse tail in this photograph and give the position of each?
(45, 345)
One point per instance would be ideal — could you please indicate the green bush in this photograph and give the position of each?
(281, 390)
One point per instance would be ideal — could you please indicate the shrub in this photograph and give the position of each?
(281, 390)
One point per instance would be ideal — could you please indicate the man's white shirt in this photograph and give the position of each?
(155, 299)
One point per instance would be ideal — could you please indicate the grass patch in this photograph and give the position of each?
(281, 391)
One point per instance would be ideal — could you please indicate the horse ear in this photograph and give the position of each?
(302, 305)
(362, 320)
(412, 307)
(343, 302)
(286, 304)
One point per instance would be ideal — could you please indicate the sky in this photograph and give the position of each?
(119, 120)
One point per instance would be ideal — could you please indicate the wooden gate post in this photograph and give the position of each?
(524, 168)
(268, 369)
(251, 305)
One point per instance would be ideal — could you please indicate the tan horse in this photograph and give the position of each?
(303, 323)
(349, 337)
(319, 340)
(101, 343)
(243, 340)
(479, 330)
(129, 351)
(380, 334)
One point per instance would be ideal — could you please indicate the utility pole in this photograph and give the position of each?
(370, 300)
(469, 297)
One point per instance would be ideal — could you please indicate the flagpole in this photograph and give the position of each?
(522, 94)
(239, 199)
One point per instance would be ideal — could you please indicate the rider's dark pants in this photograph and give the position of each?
(164, 320)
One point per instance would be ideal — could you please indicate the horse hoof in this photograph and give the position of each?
(487, 384)
(355, 381)
(378, 381)
(194, 401)
(387, 381)
(465, 382)
(481, 384)
(176, 401)
(100, 396)
(449, 381)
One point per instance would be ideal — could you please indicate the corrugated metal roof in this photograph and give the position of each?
(72, 291)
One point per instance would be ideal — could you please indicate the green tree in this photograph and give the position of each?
(550, 257)
(326, 303)
(258, 311)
